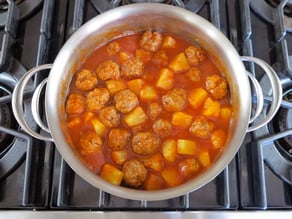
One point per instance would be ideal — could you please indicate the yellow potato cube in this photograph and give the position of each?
(98, 126)
(169, 147)
(143, 55)
(115, 85)
(204, 158)
(135, 117)
(112, 174)
(119, 157)
(168, 42)
(154, 162)
(135, 85)
(218, 138)
(179, 63)
(148, 93)
(181, 119)
(171, 176)
(88, 116)
(211, 108)
(197, 97)
(165, 80)
(188, 147)
(225, 113)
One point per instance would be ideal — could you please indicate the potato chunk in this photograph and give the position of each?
(187, 147)
(98, 126)
(179, 63)
(148, 93)
(115, 85)
(166, 79)
(168, 42)
(112, 174)
(204, 158)
(181, 119)
(154, 162)
(218, 138)
(119, 157)
(169, 148)
(135, 117)
(225, 113)
(211, 108)
(135, 85)
(197, 97)
(171, 176)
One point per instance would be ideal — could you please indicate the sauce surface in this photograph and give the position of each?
(148, 111)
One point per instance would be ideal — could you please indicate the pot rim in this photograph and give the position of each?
(59, 73)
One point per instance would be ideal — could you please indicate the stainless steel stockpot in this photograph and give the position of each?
(130, 19)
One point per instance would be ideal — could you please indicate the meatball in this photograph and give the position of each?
(75, 104)
(118, 138)
(201, 127)
(108, 70)
(145, 143)
(162, 127)
(90, 143)
(126, 101)
(188, 167)
(131, 68)
(194, 74)
(195, 55)
(134, 173)
(113, 48)
(110, 117)
(86, 80)
(160, 57)
(217, 86)
(174, 100)
(151, 41)
(154, 110)
(97, 98)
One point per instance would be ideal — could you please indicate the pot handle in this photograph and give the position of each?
(17, 103)
(276, 96)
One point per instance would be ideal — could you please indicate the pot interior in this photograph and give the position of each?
(135, 18)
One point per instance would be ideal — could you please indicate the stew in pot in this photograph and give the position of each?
(148, 111)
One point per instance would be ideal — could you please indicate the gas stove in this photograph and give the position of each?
(35, 181)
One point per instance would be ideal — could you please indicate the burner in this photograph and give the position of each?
(26, 8)
(6, 120)
(153, 1)
(266, 10)
(282, 122)
(287, 7)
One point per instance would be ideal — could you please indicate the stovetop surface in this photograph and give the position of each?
(33, 174)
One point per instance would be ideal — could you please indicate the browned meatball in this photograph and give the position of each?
(151, 41)
(97, 98)
(110, 117)
(118, 138)
(108, 70)
(195, 55)
(162, 127)
(154, 110)
(174, 100)
(194, 74)
(113, 48)
(217, 86)
(145, 143)
(160, 57)
(126, 101)
(188, 167)
(75, 104)
(134, 173)
(90, 143)
(86, 80)
(202, 127)
(131, 68)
